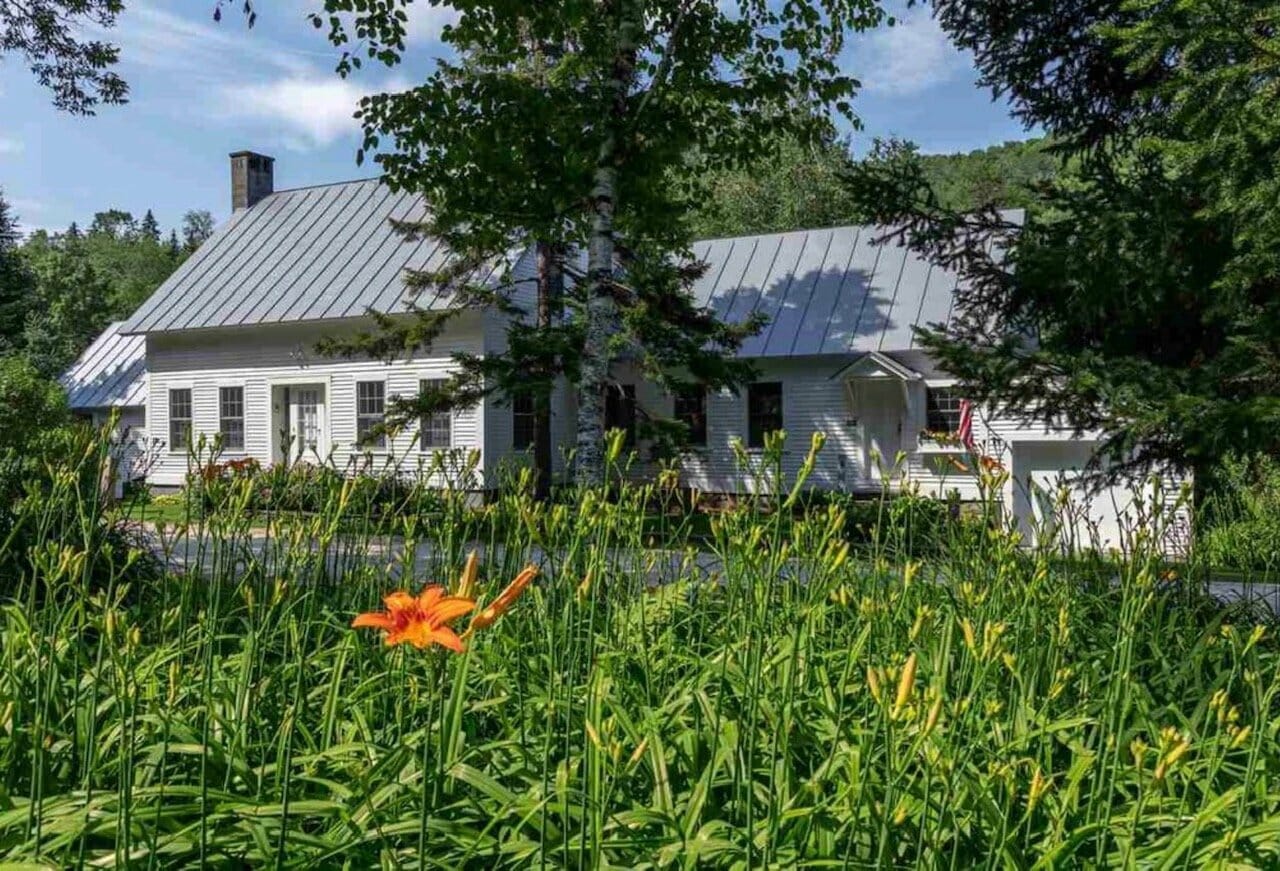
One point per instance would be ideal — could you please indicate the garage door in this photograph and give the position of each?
(1052, 504)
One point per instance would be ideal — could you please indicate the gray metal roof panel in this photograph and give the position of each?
(201, 303)
(306, 254)
(838, 290)
(786, 322)
(326, 299)
(826, 294)
(771, 296)
(307, 211)
(112, 372)
(330, 252)
(339, 240)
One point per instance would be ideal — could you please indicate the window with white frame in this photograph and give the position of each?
(231, 417)
(371, 411)
(435, 429)
(942, 409)
(179, 418)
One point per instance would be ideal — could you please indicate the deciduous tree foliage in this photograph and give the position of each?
(1142, 296)
(581, 156)
(802, 186)
(50, 37)
(57, 41)
(76, 283)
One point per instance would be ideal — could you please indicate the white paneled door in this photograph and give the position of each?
(307, 422)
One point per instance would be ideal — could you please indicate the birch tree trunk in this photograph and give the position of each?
(601, 310)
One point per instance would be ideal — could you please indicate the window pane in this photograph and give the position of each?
(180, 419)
(436, 429)
(231, 416)
(523, 422)
(691, 410)
(371, 403)
(764, 411)
(943, 409)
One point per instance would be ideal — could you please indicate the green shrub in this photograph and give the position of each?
(30, 405)
(1239, 522)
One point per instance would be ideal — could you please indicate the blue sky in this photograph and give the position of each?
(200, 90)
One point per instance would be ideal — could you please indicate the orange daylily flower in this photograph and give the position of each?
(421, 620)
(504, 600)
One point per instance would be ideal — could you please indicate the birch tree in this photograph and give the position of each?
(601, 153)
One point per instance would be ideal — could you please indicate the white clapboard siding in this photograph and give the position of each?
(812, 401)
(256, 358)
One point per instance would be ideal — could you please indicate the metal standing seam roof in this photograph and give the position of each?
(330, 252)
(308, 254)
(833, 291)
(112, 372)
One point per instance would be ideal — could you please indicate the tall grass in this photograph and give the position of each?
(778, 700)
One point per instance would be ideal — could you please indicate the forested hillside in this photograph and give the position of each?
(805, 186)
(59, 290)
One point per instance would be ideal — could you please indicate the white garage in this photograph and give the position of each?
(1051, 500)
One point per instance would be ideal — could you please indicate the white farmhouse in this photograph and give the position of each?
(230, 339)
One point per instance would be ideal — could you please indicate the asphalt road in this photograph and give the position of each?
(658, 566)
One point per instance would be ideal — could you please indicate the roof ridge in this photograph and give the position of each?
(323, 184)
(782, 232)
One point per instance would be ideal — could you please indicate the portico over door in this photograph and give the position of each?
(882, 398)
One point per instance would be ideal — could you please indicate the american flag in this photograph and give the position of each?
(965, 430)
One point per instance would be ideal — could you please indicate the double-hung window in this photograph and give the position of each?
(231, 417)
(524, 421)
(371, 411)
(942, 409)
(180, 419)
(764, 411)
(436, 428)
(691, 410)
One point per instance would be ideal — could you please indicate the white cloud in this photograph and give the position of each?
(9, 145)
(152, 37)
(908, 58)
(305, 111)
(427, 20)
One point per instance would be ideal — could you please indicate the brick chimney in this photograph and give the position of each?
(252, 178)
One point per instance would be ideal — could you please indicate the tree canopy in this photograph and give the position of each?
(1140, 299)
(563, 125)
(58, 291)
(802, 186)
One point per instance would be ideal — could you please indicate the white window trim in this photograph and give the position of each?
(244, 415)
(168, 419)
(453, 421)
(388, 445)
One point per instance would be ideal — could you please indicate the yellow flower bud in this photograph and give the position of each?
(873, 683)
(906, 683)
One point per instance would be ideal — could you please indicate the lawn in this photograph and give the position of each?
(952, 702)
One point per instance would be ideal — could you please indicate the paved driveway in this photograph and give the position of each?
(658, 566)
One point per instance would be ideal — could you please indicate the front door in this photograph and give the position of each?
(880, 412)
(307, 426)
